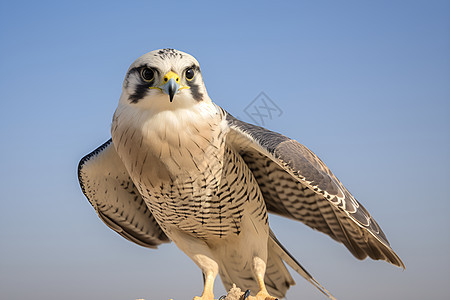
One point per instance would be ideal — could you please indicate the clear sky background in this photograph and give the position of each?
(364, 84)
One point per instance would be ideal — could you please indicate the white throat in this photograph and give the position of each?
(182, 140)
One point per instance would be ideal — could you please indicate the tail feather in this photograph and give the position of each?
(277, 277)
(283, 254)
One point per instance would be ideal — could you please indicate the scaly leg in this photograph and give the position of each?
(208, 293)
(259, 267)
(201, 254)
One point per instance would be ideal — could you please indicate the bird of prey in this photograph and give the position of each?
(180, 168)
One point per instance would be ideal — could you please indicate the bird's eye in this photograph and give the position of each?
(190, 73)
(147, 74)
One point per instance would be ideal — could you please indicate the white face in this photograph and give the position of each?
(165, 79)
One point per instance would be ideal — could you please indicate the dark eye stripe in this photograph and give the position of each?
(195, 91)
(194, 87)
(141, 89)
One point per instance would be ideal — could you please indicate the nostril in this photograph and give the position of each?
(165, 79)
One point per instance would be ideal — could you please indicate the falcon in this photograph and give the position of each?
(180, 168)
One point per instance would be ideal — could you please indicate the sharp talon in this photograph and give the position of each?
(222, 297)
(246, 294)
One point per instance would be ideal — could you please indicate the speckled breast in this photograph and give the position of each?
(209, 204)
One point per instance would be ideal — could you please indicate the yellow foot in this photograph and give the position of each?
(262, 296)
(204, 297)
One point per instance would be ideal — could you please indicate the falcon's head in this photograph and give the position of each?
(164, 79)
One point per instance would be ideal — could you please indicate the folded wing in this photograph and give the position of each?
(108, 187)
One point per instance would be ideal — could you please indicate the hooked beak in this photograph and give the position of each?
(170, 88)
(171, 85)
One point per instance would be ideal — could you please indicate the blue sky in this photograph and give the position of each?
(364, 84)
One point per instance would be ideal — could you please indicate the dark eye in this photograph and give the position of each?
(147, 74)
(190, 73)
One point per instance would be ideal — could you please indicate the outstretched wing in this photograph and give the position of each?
(298, 185)
(108, 187)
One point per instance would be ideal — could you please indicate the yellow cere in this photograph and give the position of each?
(170, 75)
(167, 77)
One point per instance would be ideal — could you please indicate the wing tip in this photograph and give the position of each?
(397, 261)
(129, 235)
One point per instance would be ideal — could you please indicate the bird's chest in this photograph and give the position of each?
(211, 204)
(187, 203)
(169, 147)
(182, 192)
(189, 178)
